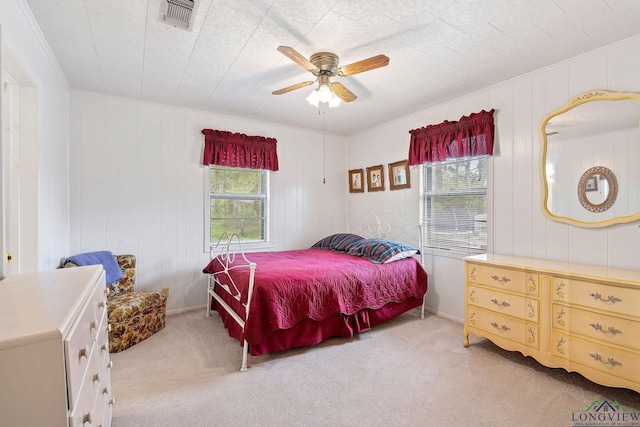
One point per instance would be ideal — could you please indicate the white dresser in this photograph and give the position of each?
(54, 351)
(578, 317)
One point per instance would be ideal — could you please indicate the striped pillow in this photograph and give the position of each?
(337, 242)
(382, 251)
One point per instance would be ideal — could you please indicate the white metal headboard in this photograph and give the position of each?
(386, 225)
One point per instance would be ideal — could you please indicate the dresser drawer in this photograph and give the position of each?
(600, 296)
(82, 409)
(603, 358)
(100, 303)
(88, 413)
(89, 407)
(601, 327)
(504, 278)
(513, 305)
(503, 326)
(79, 345)
(106, 400)
(102, 342)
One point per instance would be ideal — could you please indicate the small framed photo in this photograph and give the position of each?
(375, 178)
(356, 181)
(399, 176)
(592, 183)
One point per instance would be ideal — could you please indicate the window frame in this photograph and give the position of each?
(486, 191)
(266, 195)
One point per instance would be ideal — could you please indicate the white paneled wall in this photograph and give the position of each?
(137, 186)
(517, 225)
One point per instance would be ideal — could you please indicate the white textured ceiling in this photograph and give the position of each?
(438, 50)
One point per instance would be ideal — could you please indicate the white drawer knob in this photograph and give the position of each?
(101, 304)
(103, 347)
(105, 390)
(84, 352)
(110, 364)
(86, 419)
(112, 401)
(96, 378)
(93, 325)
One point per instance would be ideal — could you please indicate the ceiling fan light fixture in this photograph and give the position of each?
(334, 101)
(324, 93)
(313, 98)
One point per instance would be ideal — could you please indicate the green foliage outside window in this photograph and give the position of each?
(238, 203)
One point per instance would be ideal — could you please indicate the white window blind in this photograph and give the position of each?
(454, 205)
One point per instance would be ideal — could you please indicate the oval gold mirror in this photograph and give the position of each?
(597, 189)
(597, 132)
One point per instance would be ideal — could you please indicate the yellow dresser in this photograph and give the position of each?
(579, 317)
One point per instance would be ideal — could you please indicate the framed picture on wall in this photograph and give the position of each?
(399, 176)
(356, 181)
(592, 183)
(375, 178)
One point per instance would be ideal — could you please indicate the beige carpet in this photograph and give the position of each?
(407, 372)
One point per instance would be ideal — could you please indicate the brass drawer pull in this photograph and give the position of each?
(609, 330)
(502, 328)
(610, 298)
(503, 279)
(610, 361)
(503, 304)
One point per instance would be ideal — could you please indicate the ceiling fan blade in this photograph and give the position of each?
(292, 87)
(293, 54)
(345, 94)
(364, 65)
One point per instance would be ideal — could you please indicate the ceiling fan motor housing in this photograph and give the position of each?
(326, 63)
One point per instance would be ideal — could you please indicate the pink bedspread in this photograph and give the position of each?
(291, 286)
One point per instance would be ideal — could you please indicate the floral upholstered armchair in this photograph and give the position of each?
(133, 316)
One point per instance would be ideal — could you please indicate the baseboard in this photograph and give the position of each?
(186, 309)
(445, 315)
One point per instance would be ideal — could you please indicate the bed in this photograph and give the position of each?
(341, 286)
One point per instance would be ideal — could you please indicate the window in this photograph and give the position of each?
(454, 204)
(238, 203)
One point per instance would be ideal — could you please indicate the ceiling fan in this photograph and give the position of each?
(324, 65)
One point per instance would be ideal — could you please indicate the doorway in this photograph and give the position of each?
(19, 169)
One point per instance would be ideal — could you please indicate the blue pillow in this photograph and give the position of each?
(339, 242)
(382, 251)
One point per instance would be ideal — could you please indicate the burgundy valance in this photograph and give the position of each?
(238, 150)
(470, 136)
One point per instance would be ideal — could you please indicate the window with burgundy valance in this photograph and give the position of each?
(470, 136)
(454, 159)
(238, 150)
(238, 184)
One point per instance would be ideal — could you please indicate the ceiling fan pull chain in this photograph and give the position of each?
(324, 147)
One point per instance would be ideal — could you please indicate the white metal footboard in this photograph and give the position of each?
(226, 251)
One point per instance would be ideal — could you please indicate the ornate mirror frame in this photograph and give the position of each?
(594, 175)
(583, 98)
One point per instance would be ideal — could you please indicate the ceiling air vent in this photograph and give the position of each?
(179, 13)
